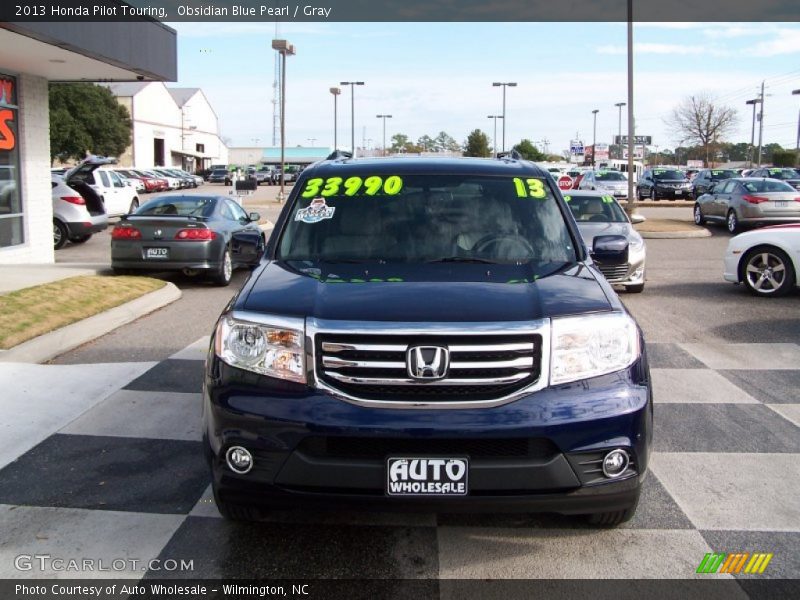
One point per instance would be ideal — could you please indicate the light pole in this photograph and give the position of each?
(352, 85)
(760, 123)
(384, 117)
(619, 105)
(284, 48)
(754, 101)
(504, 86)
(335, 91)
(797, 145)
(312, 140)
(629, 206)
(494, 139)
(594, 136)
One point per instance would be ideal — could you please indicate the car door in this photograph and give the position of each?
(123, 194)
(107, 191)
(247, 240)
(702, 183)
(722, 198)
(645, 183)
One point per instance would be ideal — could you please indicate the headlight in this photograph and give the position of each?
(277, 351)
(636, 244)
(589, 346)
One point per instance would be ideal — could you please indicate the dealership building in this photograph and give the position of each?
(32, 54)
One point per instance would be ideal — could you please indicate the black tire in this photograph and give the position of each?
(653, 195)
(60, 234)
(699, 219)
(120, 271)
(223, 275)
(637, 288)
(780, 272)
(614, 518)
(732, 222)
(81, 239)
(134, 205)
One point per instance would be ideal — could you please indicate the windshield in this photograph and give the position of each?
(194, 206)
(668, 174)
(596, 209)
(609, 176)
(720, 174)
(426, 218)
(765, 185)
(783, 174)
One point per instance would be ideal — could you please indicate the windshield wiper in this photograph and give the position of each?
(463, 259)
(348, 261)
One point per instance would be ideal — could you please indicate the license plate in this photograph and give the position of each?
(678, 192)
(427, 476)
(781, 204)
(157, 253)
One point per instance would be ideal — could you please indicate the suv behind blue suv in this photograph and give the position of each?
(429, 334)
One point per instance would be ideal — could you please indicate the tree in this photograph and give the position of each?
(86, 118)
(477, 144)
(784, 158)
(529, 151)
(700, 120)
(445, 143)
(402, 143)
(427, 143)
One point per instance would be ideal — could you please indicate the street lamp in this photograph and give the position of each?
(504, 85)
(594, 136)
(494, 139)
(312, 140)
(384, 117)
(284, 48)
(619, 105)
(752, 102)
(335, 91)
(352, 85)
(797, 145)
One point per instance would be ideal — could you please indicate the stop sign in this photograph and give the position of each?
(565, 183)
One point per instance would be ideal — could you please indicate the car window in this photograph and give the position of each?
(609, 176)
(720, 174)
(767, 185)
(782, 173)
(115, 179)
(197, 206)
(238, 212)
(668, 174)
(596, 209)
(724, 188)
(104, 178)
(423, 217)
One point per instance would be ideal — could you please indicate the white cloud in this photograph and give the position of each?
(655, 48)
(784, 41)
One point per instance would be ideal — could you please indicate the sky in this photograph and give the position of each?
(434, 77)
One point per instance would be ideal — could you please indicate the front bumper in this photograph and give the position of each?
(310, 447)
(673, 193)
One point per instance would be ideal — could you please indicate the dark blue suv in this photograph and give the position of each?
(429, 334)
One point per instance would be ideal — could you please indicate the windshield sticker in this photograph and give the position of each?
(353, 186)
(658, 171)
(774, 171)
(316, 212)
(608, 200)
(530, 188)
(567, 198)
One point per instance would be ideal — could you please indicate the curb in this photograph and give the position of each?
(675, 235)
(50, 345)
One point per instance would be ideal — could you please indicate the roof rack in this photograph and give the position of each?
(337, 154)
(512, 154)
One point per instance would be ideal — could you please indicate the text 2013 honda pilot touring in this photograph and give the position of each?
(428, 333)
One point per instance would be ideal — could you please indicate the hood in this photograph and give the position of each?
(423, 293)
(591, 230)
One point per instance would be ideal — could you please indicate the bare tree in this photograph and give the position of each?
(700, 120)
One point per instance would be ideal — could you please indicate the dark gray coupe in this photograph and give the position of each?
(192, 234)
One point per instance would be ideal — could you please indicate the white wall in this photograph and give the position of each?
(34, 145)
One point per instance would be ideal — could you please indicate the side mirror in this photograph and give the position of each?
(711, 189)
(610, 249)
(255, 217)
(637, 218)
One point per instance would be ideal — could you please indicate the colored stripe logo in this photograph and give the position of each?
(737, 562)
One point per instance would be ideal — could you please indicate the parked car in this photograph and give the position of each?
(265, 175)
(147, 184)
(613, 183)
(663, 183)
(196, 179)
(187, 181)
(748, 201)
(766, 260)
(78, 211)
(194, 234)
(599, 214)
(220, 176)
(789, 176)
(705, 180)
(433, 334)
(118, 197)
(162, 185)
(173, 182)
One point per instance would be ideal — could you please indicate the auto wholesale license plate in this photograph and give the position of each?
(781, 204)
(427, 476)
(157, 253)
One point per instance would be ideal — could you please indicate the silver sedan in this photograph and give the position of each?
(599, 215)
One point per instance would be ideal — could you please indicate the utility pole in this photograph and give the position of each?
(760, 123)
(629, 207)
(619, 105)
(797, 145)
(754, 101)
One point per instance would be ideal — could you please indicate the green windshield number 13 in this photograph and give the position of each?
(530, 188)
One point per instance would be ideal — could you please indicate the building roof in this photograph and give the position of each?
(125, 89)
(182, 95)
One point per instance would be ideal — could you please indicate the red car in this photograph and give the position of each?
(150, 184)
(161, 184)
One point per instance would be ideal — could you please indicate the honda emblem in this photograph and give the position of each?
(427, 363)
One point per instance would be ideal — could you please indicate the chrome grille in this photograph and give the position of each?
(374, 366)
(614, 272)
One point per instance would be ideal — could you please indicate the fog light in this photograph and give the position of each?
(615, 463)
(239, 459)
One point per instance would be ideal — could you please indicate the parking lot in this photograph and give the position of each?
(724, 475)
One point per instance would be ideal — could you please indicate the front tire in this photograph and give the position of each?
(699, 219)
(768, 271)
(222, 276)
(60, 234)
(732, 222)
(653, 195)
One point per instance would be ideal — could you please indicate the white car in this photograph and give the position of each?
(173, 182)
(766, 260)
(118, 197)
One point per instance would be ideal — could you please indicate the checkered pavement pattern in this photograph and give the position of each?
(118, 472)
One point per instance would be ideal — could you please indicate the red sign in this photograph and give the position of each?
(565, 183)
(7, 139)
